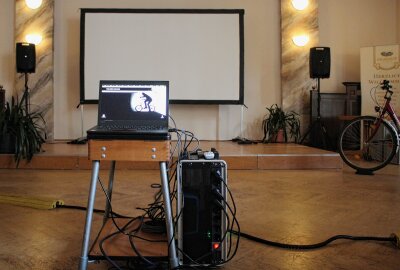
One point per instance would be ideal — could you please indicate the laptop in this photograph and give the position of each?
(132, 110)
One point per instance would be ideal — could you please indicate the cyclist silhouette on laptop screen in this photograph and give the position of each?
(147, 100)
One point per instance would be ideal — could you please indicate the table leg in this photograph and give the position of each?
(89, 214)
(109, 191)
(173, 259)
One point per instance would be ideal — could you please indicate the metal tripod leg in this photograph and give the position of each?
(318, 126)
(89, 215)
(173, 258)
(310, 128)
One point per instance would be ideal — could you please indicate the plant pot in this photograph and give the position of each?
(7, 144)
(280, 137)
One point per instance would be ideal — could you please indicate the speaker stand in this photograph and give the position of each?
(317, 127)
(82, 139)
(81, 105)
(26, 94)
(240, 139)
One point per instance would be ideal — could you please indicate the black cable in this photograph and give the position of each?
(114, 264)
(229, 227)
(94, 210)
(391, 239)
(222, 239)
(122, 231)
(173, 121)
(109, 202)
(139, 265)
(186, 133)
(155, 211)
(229, 224)
(218, 175)
(101, 242)
(184, 266)
(234, 221)
(104, 253)
(154, 226)
(133, 234)
(97, 237)
(119, 230)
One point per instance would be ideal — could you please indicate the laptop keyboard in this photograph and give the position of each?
(132, 127)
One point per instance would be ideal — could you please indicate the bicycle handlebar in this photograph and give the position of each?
(385, 85)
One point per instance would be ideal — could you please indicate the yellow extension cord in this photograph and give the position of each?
(32, 202)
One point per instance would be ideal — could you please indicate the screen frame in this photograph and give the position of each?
(240, 12)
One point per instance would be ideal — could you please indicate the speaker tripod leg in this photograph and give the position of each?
(325, 137)
(321, 137)
(308, 132)
(318, 135)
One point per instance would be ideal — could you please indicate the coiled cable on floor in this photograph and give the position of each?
(392, 239)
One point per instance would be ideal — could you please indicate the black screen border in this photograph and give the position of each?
(240, 12)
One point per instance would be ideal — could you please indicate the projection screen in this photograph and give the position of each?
(200, 52)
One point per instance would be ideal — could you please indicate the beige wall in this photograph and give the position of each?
(398, 21)
(347, 25)
(7, 58)
(262, 72)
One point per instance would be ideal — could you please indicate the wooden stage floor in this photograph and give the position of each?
(60, 155)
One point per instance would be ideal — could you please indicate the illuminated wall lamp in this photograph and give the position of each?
(33, 4)
(300, 4)
(300, 40)
(33, 38)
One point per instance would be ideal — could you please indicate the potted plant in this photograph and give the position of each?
(21, 132)
(278, 125)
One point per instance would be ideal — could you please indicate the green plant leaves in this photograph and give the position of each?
(276, 119)
(26, 127)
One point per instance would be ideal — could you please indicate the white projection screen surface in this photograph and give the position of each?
(200, 52)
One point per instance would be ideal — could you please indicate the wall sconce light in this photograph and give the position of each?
(33, 38)
(33, 4)
(300, 40)
(300, 4)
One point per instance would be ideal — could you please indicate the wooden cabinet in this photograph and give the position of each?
(353, 98)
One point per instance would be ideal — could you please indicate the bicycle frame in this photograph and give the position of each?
(388, 109)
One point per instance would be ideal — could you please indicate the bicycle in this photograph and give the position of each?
(140, 108)
(369, 143)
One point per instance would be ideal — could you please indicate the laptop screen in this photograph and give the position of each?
(133, 102)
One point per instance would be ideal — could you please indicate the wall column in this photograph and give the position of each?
(295, 79)
(40, 83)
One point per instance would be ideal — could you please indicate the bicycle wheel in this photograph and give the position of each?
(366, 145)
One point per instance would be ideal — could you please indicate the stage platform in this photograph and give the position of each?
(273, 156)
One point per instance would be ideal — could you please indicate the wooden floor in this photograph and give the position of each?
(275, 199)
(61, 155)
(291, 206)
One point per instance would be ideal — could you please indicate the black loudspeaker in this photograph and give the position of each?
(320, 62)
(26, 57)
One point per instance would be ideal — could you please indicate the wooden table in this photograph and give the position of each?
(127, 150)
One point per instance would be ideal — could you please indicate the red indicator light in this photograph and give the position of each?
(216, 245)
